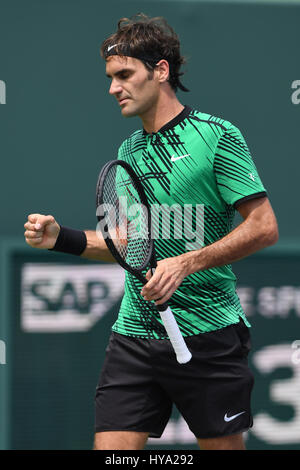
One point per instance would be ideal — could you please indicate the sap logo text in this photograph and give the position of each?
(295, 97)
(2, 92)
(68, 297)
(2, 352)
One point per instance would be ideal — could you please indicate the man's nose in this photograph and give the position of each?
(115, 87)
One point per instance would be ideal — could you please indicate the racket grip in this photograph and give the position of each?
(183, 355)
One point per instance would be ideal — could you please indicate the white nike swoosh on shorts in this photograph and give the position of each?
(230, 418)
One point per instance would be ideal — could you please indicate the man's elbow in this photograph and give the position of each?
(271, 234)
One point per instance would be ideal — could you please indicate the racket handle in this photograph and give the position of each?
(183, 355)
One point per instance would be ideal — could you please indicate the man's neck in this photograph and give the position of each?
(166, 109)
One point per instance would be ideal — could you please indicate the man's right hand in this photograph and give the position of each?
(41, 231)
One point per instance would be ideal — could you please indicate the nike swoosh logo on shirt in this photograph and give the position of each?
(174, 158)
(230, 418)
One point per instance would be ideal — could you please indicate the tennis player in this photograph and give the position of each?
(184, 157)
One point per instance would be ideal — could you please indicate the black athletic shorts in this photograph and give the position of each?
(141, 379)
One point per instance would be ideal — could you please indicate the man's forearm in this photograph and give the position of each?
(257, 231)
(240, 243)
(96, 248)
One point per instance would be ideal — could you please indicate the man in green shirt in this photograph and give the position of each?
(199, 167)
(195, 160)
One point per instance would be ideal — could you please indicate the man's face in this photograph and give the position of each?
(135, 88)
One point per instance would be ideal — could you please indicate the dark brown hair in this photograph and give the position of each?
(150, 40)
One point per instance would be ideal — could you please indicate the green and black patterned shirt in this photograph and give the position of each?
(201, 166)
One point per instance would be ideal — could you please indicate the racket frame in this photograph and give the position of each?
(150, 260)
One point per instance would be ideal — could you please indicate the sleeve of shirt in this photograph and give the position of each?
(236, 174)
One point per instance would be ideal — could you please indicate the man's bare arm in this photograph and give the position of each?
(257, 231)
(96, 248)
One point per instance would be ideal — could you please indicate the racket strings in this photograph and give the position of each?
(126, 217)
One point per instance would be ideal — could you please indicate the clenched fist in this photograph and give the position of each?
(41, 231)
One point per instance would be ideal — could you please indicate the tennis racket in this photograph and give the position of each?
(124, 219)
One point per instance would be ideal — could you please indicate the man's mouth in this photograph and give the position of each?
(123, 100)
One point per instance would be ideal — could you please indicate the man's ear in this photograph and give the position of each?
(163, 70)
